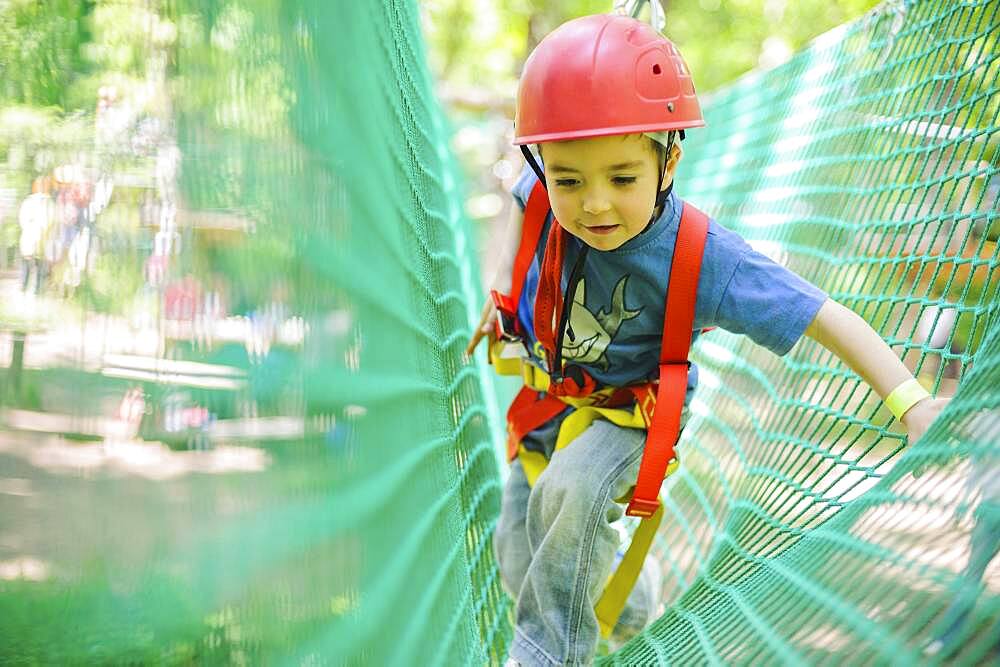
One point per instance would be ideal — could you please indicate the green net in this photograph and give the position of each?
(868, 164)
(245, 433)
(235, 421)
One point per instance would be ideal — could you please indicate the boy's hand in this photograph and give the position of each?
(487, 322)
(920, 417)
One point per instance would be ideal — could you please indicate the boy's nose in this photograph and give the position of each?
(595, 204)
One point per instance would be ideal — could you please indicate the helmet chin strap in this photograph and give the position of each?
(661, 195)
(530, 159)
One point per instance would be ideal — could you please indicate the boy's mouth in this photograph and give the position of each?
(602, 229)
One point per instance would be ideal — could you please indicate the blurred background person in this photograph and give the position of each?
(35, 219)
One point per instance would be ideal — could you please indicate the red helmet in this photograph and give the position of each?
(601, 75)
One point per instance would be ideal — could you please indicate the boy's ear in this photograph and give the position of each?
(675, 156)
(676, 153)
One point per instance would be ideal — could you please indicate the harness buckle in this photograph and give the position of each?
(642, 508)
(506, 325)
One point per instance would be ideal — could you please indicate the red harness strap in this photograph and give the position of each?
(549, 313)
(548, 300)
(678, 327)
(535, 211)
(527, 412)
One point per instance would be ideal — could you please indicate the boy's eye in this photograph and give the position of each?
(566, 182)
(623, 180)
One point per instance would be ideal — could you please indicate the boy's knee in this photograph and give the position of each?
(558, 492)
(588, 475)
(572, 474)
(601, 454)
(576, 490)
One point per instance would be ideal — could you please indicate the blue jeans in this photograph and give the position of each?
(556, 545)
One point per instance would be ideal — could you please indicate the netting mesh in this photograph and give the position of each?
(869, 165)
(243, 431)
(335, 506)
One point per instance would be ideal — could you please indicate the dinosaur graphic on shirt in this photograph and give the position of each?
(588, 335)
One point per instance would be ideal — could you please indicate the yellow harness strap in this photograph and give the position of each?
(609, 607)
(621, 582)
(503, 357)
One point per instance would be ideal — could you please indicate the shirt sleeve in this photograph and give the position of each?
(523, 186)
(768, 302)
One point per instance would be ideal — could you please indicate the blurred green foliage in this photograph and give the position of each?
(483, 43)
(40, 48)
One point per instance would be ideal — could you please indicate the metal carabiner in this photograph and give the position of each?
(657, 17)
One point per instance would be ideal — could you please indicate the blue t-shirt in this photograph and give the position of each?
(617, 314)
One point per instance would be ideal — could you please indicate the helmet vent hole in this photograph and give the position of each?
(656, 69)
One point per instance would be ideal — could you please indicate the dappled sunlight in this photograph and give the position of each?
(148, 460)
(24, 568)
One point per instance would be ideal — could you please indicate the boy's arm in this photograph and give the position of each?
(502, 278)
(848, 336)
(508, 251)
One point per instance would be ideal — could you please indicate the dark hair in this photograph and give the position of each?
(659, 150)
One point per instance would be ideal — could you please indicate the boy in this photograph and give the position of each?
(607, 100)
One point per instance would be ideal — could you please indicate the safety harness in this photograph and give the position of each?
(655, 406)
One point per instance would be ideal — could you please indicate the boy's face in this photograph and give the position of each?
(602, 190)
